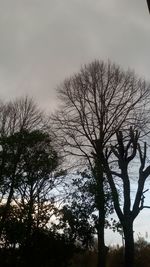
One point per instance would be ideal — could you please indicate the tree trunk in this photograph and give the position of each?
(102, 250)
(11, 192)
(129, 245)
(100, 201)
(30, 218)
(6, 208)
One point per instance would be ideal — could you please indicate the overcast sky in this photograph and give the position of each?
(43, 42)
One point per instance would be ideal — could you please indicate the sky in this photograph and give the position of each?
(44, 42)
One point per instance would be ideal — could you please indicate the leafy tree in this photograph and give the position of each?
(76, 224)
(79, 218)
(34, 178)
(27, 161)
(16, 117)
(14, 228)
(38, 163)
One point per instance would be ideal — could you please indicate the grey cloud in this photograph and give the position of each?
(43, 42)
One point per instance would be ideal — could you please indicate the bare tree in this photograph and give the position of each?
(21, 114)
(125, 152)
(96, 103)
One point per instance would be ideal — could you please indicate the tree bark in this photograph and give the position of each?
(129, 245)
(100, 202)
(101, 242)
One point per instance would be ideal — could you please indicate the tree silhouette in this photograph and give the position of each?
(125, 151)
(97, 102)
(16, 117)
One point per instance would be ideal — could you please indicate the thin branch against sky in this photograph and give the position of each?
(148, 3)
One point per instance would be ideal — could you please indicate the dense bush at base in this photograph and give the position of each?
(47, 249)
(44, 249)
(115, 256)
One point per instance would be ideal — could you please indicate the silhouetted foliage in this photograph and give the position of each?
(79, 217)
(29, 171)
(45, 249)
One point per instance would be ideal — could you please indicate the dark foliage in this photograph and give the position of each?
(45, 249)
